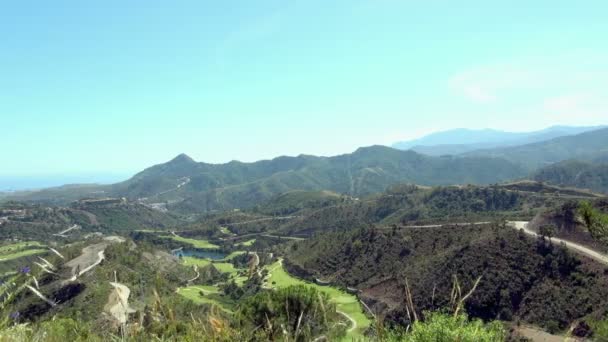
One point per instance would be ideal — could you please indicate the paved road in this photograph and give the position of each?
(62, 234)
(463, 224)
(602, 258)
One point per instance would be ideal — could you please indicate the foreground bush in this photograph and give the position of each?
(440, 327)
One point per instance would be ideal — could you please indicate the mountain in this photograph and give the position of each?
(580, 174)
(592, 145)
(187, 186)
(462, 140)
(194, 187)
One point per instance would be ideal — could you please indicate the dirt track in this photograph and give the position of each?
(523, 225)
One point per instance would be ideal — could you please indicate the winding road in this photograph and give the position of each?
(602, 258)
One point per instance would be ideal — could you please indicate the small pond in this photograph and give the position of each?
(201, 254)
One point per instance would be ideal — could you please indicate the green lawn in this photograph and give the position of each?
(194, 242)
(18, 246)
(233, 255)
(226, 231)
(345, 302)
(224, 267)
(190, 261)
(247, 243)
(211, 296)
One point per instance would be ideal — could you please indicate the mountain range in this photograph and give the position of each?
(461, 140)
(186, 186)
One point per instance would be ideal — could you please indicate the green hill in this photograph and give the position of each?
(575, 173)
(415, 205)
(27, 221)
(521, 278)
(294, 201)
(193, 187)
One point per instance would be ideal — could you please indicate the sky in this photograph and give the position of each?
(111, 87)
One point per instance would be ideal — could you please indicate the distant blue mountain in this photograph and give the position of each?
(461, 140)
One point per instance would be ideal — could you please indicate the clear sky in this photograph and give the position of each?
(100, 86)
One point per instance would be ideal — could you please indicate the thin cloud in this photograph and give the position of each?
(489, 84)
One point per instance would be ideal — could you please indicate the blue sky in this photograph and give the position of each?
(121, 85)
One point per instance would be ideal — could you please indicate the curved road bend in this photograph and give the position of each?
(602, 258)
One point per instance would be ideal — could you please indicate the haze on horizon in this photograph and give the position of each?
(113, 88)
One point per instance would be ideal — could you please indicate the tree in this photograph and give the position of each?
(295, 313)
(547, 230)
(596, 221)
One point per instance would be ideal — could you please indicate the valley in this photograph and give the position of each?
(356, 252)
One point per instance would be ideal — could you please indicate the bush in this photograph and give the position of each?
(441, 327)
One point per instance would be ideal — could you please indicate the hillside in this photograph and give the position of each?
(579, 174)
(413, 205)
(588, 145)
(522, 278)
(366, 171)
(26, 221)
(462, 140)
(400, 205)
(297, 200)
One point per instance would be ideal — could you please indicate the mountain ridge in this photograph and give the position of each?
(462, 140)
(188, 186)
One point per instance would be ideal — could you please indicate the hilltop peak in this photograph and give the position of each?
(183, 158)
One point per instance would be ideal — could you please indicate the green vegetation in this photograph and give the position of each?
(294, 201)
(596, 221)
(19, 246)
(225, 231)
(247, 243)
(234, 255)
(347, 303)
(579, 174)
(297, 313)
(41, 222)
(20, 254)
(191, 261)
(245, 185)
(412, 205)
(439, 327)
(523, 278)
(208, 295)
(225, 267)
